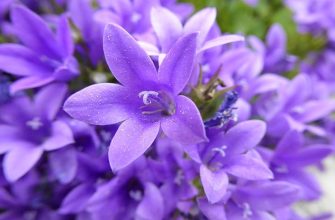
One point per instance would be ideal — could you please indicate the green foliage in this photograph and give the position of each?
(234, 16)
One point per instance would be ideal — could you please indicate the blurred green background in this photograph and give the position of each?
(235, 16)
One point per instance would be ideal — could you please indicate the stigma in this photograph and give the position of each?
(156, 103)
(34, 123)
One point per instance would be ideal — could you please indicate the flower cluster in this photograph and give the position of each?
(144, 109)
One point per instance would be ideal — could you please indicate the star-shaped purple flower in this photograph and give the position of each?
(30, 128)
(44, 57)
(147, 101)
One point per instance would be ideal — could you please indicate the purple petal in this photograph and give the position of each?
(131, 140)
(61, 135)
(77, 199)
(20, 160)
(309, 187)
(291, 142)
(250, 168)
(215, 183)
(220, 41)
(167, 27)
(186, 125)
(85, 23)
(21, 61)
(176, 69)
(16, 111)
(242, 137)
(128, 62)
(63, 163)
(9, 138)
(314, 110)
(48, 101)
(100, 104)
(308, 156)
(212, 211)
(268, 195)
(298, 90)
(267, 82)
(30, 82)
(201, 22)
(64, 36)
(34, 32)
(276, 43)
(151, 207)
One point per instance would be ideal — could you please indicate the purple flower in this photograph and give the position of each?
(146, 101)
(174, 172)
(314, 16)
(30, 128)
(168, 28)
(230, 153)
(258, 200)
(131, 194)
(31, 197)
(291, 157)
(45, 58)
(296, 108)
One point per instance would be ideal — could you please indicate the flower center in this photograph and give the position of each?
(136, 195)
(179, 177)
(34, 123)
(226, 112)
(156, 102)
(4, 89)
(135, 17)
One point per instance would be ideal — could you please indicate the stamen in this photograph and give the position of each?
(179, 177)
(135, 17)
(247, 212)
(282, 169)
(35, 123)
(136, 195)
(226, 112)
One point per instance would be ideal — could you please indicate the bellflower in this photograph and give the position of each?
(296, 108)
(230, 153)
(146, 101)
(290, 158)
(168, 28)
(314, 16)
(31, 197)
(133, 190)
(135, 16)
(30, 128)
(174, 172)
(45, 57)
(259, 200)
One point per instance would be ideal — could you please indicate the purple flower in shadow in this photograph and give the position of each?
(30, 128)
(45, 57)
